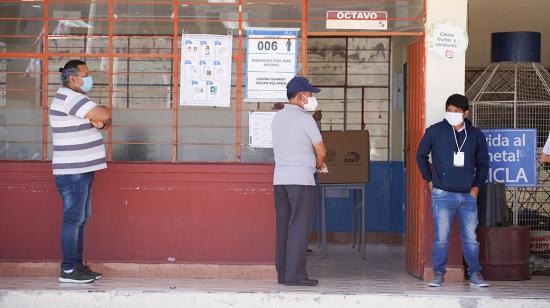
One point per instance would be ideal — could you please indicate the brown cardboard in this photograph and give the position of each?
(348, 157)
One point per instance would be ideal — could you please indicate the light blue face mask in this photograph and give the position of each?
(88, 84)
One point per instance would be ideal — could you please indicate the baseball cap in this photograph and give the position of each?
(300, 84)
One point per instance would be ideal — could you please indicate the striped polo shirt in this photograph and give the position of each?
(77, 144)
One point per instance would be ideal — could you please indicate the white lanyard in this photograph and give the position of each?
(463, 142)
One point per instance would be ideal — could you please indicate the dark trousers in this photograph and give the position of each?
(293, 210)
(316, 204)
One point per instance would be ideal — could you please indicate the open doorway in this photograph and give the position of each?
(356, 76)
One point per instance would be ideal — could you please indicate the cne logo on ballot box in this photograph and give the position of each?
(512, 156)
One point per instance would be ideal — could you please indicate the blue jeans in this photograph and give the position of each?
(445, 206)
(76, 192)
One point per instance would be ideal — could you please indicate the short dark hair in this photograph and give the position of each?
(71, 64)
(459, 101)
(70, 69)
(291, 95)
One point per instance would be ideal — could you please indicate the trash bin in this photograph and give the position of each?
(504, 252)
(492, 208)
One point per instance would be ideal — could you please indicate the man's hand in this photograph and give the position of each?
(320, 164)
(320, 154)
(108, 124)
(99, 114)
(318, 115)
(544, 158)
(322, 168)
(101, 125)
(430, 186)
(474, 191)
(98, 124)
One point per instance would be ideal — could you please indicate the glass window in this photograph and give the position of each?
(85, 19)
(21, 26)
(134, 56)
(215, 18)
(207, 134)
(135, 19)
(210, 133)
(20, 109)
(353, 74)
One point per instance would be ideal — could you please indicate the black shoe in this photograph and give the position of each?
(86, 269)
(302, 283)
(309, 251)
(76, 276)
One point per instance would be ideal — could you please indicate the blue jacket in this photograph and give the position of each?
(440, 142)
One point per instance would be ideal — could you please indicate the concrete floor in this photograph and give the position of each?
(345, 281)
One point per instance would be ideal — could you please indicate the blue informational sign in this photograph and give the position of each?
(512, 156)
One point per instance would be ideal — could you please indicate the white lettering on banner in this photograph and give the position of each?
(512, 156)
(503, 175)
(357, 20)
(505, 156)
(356, 15)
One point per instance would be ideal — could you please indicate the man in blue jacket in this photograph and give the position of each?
(460, 163)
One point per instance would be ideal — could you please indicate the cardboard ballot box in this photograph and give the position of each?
(348, 157)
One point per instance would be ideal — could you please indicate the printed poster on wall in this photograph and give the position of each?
(259, 129)
(271, 60)
(205, 75)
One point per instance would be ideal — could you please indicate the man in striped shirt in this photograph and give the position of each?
(78, 152)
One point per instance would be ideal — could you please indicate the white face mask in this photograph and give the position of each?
(311, 104)
(454, 118)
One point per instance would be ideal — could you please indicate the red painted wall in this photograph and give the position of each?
(145, 212)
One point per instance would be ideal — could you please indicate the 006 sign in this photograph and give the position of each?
(267, 45)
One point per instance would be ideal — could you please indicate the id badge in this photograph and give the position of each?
(459, 159)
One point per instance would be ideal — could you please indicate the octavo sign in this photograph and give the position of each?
(357, 20)
(359, 15)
